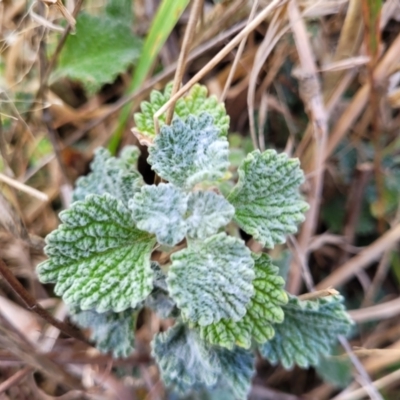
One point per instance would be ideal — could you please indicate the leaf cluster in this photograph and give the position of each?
(226, 300)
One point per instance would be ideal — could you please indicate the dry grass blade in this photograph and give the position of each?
(24, 188)
(348, 46)
(383, 70)
(318, 294)
(10, 340)
(385, 310)
(195, 12)
(310, 91)
(238, 55)
(381, 383)
(274, 33)
(368, 386)
(362, 260)
(32, 305)
(221, 55)
(15, 379)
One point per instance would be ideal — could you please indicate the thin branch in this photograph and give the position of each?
(15, 379)
(318, 294)
(311, 93)
(238, 55)
(369, 387)
(365, 258)
(24, 188)
(187, 40)
(220, 56)
(57, 51)
(32, 305)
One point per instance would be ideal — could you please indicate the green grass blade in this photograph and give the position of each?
(164, 21)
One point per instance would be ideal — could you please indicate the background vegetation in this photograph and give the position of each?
(318, 79)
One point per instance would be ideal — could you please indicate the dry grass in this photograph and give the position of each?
(298, 75)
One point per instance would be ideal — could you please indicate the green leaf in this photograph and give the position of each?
(309, 331)
(187, 153)
(211, 280)
(194, 103)
(159, 300)
(264, 309)
(237, 369)
(98, 258)
(112, 332)
(266, 198)
(335, 370)
(160, 210)
(102, 48)
(115, 176)
(208, 211)
(144, 120)
(185, 361)
(120, 10)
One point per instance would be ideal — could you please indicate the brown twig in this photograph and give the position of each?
(15, 379)
(45, 77)
(82, 358)
(220, 56)
(318, 294)
(311, 93)
(354, 204)
(18, 345)
(368, 386)
(238, 55)
(180, 68)
(32, 305)
(366, 257)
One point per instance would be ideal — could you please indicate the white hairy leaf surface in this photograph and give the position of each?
(112, 332)
(116, 176)
(211, 280)
(98, 258)
(309, 331)
(189, 152)
(159, 299)
(264, 310)
(185, 361)
(266, 198)
(208, 211)
(194, 103)
(161, 210)
(237, 369)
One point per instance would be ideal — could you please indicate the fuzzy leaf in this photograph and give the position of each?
(144, 120)
(237, 369)
(116, 176)
(264, 309)
(102, 48)
(195, 103)
(185, 361)
(160, 210)
(112, 332)
(208, 212)
(190, 152)
(335, 370)
(211, 280)
(159, 300)
(309, 331)
(266, 198)
(98, 258)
